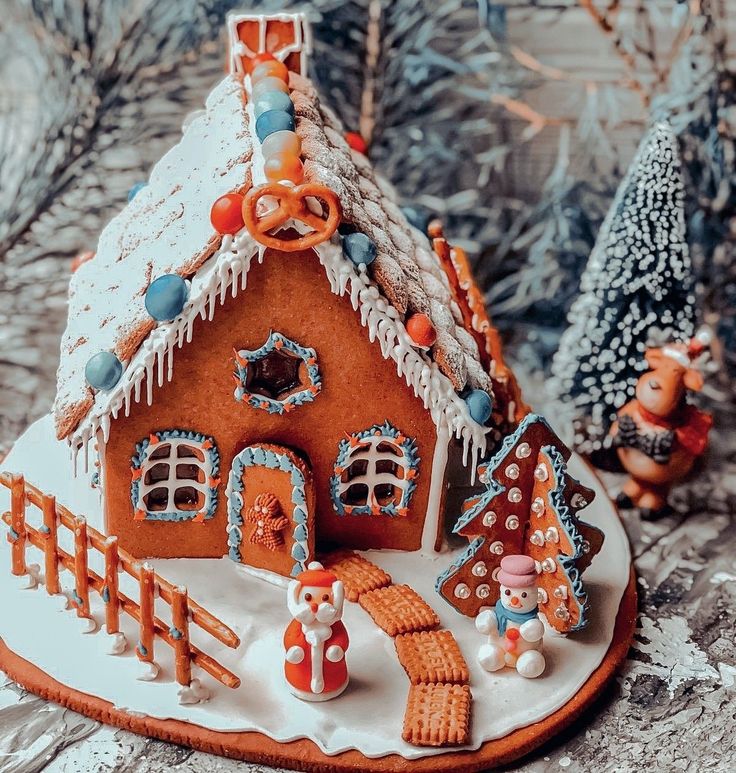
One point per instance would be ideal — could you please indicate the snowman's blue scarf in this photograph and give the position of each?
(503, 616)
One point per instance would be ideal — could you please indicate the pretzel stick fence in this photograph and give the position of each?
(183, 610)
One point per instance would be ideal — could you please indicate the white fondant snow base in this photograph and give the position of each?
(368, 716)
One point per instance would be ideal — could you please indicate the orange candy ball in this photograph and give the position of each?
(356, 142)
(284, 166)
(226, 214)
(80, 260)
(421, 330)
(251, 64)
(270, 69)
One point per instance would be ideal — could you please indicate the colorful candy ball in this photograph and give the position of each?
(135, 190)
(418, 217)
(421, 330)
(269, 84)
(274, 121)
(103, 370)
(284, 166)
(226, 214)
(270, 69)
(273, 100)
(479, 405)
(356, 142)
(166, 296)
(281, 142)
(358, 248)
(80, 260)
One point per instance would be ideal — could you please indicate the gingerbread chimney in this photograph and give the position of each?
(285, 35)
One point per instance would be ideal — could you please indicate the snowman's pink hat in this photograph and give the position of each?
(517, 571)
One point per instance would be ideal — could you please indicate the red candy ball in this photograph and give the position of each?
(356, 142)
(421, 330)
(226, 214)
(251, 64)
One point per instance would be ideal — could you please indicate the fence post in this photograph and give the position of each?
(18, 535)
(147, 631)
(81, 570)
(110, 591)
(51, 555)
(180, 633)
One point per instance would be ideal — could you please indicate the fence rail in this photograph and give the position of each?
(150, 585)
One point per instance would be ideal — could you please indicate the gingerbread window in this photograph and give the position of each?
(174, 477)
(277, 377)
(375, 473)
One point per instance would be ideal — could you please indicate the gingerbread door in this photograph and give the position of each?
(271, 509)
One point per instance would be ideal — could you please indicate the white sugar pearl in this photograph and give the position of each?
(523, 450)
(541, 473)
(489, 518)
(515, 495)
(479, 569)
(561, 613)
(512, 471)
(549, 565)
(560, 592)
(552, 535)
(542, 597)
(537, 538)
(483, 591)
(462, 591)
(512, 522)
(586, 546)
(578, 501)
(538, 505)
(496, 547)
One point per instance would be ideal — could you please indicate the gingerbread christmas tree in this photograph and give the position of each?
(529, 507)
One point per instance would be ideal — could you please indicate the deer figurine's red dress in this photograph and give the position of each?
(658, 435)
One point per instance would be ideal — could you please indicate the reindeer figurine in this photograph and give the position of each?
(658, 435)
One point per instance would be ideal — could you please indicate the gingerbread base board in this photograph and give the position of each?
(303, 754)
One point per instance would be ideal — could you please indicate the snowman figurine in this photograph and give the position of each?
(513, 626)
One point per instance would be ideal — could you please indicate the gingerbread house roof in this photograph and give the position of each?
(166, 229)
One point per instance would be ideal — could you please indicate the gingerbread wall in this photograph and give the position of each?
(288, 293)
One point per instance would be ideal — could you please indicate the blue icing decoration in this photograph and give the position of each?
(274, 121)
(358, 248)
(166, 296)
(272, 461)
(103, 370)
(297, 479)
(135, 190)
(296, 569)
(297, 497)
(297, 552)
(272, 100)
(299, 515)
(479, 405)
(259, 456)
(300, 533)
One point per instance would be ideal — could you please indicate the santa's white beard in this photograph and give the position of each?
(326, 614)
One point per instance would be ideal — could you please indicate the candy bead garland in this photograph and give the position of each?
(226, 214)
(135, 190)
(479, 405)
(356, 142)
(359, 249)
(421, 330)
(275, 122)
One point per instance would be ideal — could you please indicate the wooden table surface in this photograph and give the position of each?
(671, 708)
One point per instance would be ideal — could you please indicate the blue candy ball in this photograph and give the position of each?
(133, 192)
(273, 100)
(103, 370)
(418, 217)
(358, 248)
(274, 121)
(479, 405)
(166, 296)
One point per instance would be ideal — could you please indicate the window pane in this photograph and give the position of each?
(357, 494)
(157, 473)
(188, 498)
(160, 452)
(189, 472)
(388, 448)
(188, 452)
(389, 466)
(385, 494)
(275, 375)
(357, 469)
(156, 501)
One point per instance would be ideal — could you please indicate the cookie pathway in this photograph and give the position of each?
(438, 706)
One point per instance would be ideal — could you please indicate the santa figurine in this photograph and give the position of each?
(316, 640)
(513, 626)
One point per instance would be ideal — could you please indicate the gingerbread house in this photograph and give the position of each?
(265, 358)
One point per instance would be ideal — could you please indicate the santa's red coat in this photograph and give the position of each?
(299, 675)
